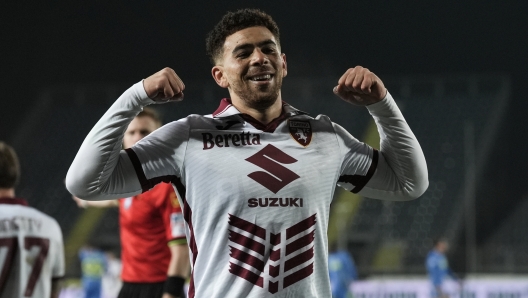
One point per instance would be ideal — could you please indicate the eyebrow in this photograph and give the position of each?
(249, 45)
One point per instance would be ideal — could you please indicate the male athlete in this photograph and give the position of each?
(438, 268)
(31, 249)
(154, 253)
(256, 196)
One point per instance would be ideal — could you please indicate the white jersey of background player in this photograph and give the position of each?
(256, 177)
(31, 248)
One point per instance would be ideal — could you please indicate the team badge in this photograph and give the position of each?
(301, 131)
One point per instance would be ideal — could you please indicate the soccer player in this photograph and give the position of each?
(438, 267)
(31, 247)
(154, 251)
(93, 267)
(256, 177)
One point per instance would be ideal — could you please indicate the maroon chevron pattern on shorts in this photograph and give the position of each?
(288, 255)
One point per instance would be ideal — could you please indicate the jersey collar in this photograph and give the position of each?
(13, 201)
(226, 109)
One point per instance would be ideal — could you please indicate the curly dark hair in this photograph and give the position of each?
(232, 22)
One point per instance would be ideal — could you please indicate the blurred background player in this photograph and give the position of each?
(148, 222)
(112, 277)
(438, 267)
(342, 271)
(93, 267)
(31, 247)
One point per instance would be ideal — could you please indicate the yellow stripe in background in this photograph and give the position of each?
(81, 232)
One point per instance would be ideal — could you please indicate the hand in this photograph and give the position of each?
(167, 295)
(163, 86)
(360, 86)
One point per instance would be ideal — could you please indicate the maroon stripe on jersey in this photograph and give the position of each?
(298, 275)
(273, 287)
(270, 127)
(275, 255)
(300, 243)
(247, 242)
(300, 226)
(299, 259)
(275, 239)
(247, 226)
(13, 201)
(274, 270)
(225, 103)
(187, 216)
(360, 181)
(246, 274)
(247, 258)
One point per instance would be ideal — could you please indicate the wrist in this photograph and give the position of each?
(174, 286)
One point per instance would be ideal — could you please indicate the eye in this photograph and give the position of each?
(243, 54)
(268, 50)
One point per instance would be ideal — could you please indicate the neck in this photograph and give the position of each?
(264, 115)
(7, 192)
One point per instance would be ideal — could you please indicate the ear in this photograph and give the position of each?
(284, 65)
(218, 76)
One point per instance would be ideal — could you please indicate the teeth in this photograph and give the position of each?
(261, 78)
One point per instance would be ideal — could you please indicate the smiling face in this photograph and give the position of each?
(251, 67)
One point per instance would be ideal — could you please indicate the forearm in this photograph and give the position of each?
(101, 170)
(401, 173)
(99, 204)
(179, 264)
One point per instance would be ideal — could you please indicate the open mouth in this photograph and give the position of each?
(261, 78)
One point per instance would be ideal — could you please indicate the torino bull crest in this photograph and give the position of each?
(301, 131)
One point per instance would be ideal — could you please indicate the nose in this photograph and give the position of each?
(258, 58)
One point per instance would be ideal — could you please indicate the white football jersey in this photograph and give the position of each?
(31, 250)
(255, 198)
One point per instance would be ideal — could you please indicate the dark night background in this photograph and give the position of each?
(49, 43)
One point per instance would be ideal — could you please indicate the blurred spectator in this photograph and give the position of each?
(342, 271)
(438, 267)
(93, 267)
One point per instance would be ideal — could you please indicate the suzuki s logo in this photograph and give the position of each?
(270, 159)
(288, 255)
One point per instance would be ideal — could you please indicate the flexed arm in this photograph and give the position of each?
(401, 170)
(101, 170)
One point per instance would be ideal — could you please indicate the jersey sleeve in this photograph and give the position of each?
(172, 216)
(101, 170)
(359, 161)
(398, 171)
(160, 155)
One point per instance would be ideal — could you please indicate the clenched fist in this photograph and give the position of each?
(360, 86)
(163, 86)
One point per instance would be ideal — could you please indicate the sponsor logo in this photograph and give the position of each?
(301, 132)
(289, 254)
(270, 159)
(229, 140)
(275, 202)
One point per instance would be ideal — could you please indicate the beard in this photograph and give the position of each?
(258, 97)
